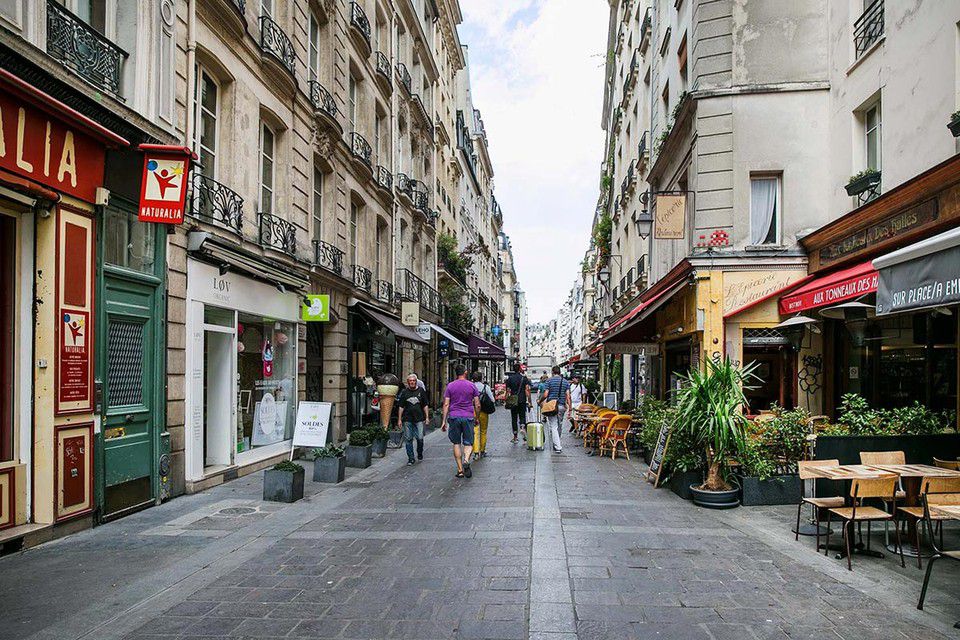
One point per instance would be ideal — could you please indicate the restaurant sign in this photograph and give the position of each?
(832, 293)
(924, 283)
(670, 216)
(890, 227)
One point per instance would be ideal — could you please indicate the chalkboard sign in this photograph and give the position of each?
(656, 461)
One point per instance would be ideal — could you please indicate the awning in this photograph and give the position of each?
(455, 343)
(221, 252)
(643, 311)
(480, 349)
(923, 275)
(402, 332)
(838, 286)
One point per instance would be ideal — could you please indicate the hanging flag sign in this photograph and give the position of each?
(163, 186)
(670, 217)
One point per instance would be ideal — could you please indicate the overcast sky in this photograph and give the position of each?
(536, 68)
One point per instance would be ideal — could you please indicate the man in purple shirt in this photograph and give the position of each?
(461, 404)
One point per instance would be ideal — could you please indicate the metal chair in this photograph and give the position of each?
(937, 491)
(818, 505)
(883, 487)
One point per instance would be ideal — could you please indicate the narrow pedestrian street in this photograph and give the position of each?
(535, 545)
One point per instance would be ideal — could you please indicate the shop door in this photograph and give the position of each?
(130, 358)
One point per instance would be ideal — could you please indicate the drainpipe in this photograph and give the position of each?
(191, 70)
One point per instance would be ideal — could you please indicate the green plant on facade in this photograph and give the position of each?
(616, 373)
(605, 181)
(456, 313)
(775, 445)
(288, 466)
(866, 173)
(678, 107)
(661, 139)
(709, 408)
(329, 451)
(457, 263)
(602, 233)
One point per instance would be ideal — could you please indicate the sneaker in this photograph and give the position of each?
(411, 461)
(420, 457)
(466, 471)
(514, 440)
(555, 450)
(483, 454)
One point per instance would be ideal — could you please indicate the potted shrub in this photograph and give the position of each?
(329, 465)
(684, 463)
(358, 449)
(954, 124)
(379, 437)
(284, 482)
(768, 458)
(396, 437)
(862, 181)
(709, 409)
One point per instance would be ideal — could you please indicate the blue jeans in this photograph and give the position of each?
(413, 431)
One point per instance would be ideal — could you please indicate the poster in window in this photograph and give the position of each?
(269, 420)
(74, 353)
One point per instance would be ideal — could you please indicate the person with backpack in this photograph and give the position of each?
(488, 405)
(554, 400)
(518, 399)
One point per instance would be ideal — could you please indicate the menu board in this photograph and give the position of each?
(656, 461)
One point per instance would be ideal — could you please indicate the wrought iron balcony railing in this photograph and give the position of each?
(868, 28)
(276, 43)
(385, 291)
(322, 99)
(643, 148)
(327, 256)
(872, 192)
(383, 66)
(277, 233)
(405, 80)
(645, 29)
(627, 182)
(421, 201)
(403, 184)
(241, 6)
(362, 278)
(361, 149)
(383, 177)
(359, 21)
(412, 288)
(213, 202)
(78, 46)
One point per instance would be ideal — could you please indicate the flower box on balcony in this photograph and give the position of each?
(862, 181)
(954, 124)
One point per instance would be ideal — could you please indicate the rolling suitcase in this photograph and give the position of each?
(535, 436)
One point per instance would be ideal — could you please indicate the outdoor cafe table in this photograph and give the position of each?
(911, 476)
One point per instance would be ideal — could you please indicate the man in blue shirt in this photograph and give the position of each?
(556, 388)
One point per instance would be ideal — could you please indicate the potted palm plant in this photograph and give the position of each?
(329, 464)
(284, 482)
(358, 450)
(709, 408)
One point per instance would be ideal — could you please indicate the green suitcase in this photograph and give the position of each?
(535, 436)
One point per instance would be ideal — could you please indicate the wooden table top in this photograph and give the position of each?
(951, 510)
(918, 470)
(861, 471)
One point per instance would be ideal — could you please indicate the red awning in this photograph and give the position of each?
(838, 286)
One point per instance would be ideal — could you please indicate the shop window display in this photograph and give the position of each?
(266, 381)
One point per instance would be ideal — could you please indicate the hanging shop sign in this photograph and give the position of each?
(410, 314)
(163, 186)
(313, 424)
(318, 309)
(424, 330)
(923, 283)
(670, 217)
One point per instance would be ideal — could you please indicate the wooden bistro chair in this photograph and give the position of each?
(937, 492)
(819, 505)
(953, 465)
(616, 436)
(596, 431)
(886, 457)
(883, 487)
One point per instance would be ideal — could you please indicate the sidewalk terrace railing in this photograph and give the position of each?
(362, 278)
(385, 291)
(361, 149)
(383, 177)
(868, 28)
(326, 256)
(359, 21)
(405, 80)
(276, 233)
(322, 99)
(213, 202)
(383, 66)
(78, 46)
(413, 289)
(276, 43)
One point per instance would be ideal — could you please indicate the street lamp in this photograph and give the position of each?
(644, 224)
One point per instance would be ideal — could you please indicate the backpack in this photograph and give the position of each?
(486, 404)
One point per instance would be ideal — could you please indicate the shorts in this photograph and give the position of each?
(460, 431)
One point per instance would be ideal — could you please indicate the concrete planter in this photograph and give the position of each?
(330, 470)
(775, 490)
(715, 499)
(396, 439)
(680, 482)
(379, 448)
(358, 457)
(283, 486)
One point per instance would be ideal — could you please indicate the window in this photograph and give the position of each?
(872, 126)
(266, 8)
(94, 13)
(313, 52)
(682, 62)
(205, 132)
(381, 231)
(377, 134)
(352, 106)
(764, 210)
(317, 213)
(354, 220)
(266, 168)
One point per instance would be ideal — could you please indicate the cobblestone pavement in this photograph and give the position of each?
(535, 546)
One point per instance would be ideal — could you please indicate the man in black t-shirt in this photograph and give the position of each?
(518, 386)
(414, 410)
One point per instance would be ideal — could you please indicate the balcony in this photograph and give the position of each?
(275, 43)
(359, 24)
(213, 202)
(385, 291)
(421, 202)
(646, 29)
(629, 181)
(322, 100)
(643, 148)
(80, 48)
(361, 150)
(497, 214)
(403, 185)
(362, 278)
(405, 80)
(413, 289)
(328, 257)
(382, 66)
(277, 234)
(383, 178)
(868, 28)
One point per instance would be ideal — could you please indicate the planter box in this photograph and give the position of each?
(680, 482)
(860, 185)
(954, 126)
(379, 448)
(358, 457)
(775, 490)
(329, 469)
(283, 486)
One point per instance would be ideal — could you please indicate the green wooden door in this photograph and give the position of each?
(130, 359)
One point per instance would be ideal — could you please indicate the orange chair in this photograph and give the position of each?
(597, 430)
(616, 436)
